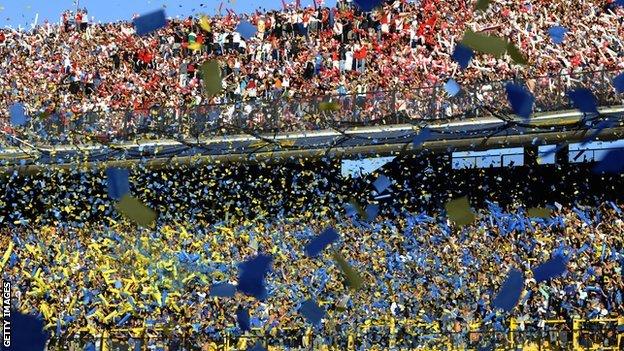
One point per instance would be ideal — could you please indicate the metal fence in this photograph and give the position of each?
(599, 334)
(307, 113)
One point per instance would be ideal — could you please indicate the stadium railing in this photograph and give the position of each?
(579, 334)
(314, 113)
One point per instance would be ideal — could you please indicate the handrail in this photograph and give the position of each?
(434, 334)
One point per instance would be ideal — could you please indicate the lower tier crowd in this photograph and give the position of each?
(72, 260)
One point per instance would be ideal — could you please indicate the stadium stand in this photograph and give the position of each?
(65, 74)
(196, 256)
(84, 268)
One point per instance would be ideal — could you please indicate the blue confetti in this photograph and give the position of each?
(124, 319)
(117, 182)
(584, 100)
(257, 347)
(520, 99)
(557, 34)
(319, 243)
(150, 22)
(510, 291)
(552, 268)
(451, 87)
(462, 55)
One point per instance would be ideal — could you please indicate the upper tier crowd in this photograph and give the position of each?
(61, 70)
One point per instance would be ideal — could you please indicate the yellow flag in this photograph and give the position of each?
(515, 54)
(6, 255)
(195, 46)
(329, 106)
(204, 23)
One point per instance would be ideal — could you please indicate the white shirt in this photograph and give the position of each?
(337, 28)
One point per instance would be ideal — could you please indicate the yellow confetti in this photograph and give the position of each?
(459, 211)
(482, 5)
(211, 75)
(485, 43)
(354, 280)
(538, 212)
(7, 254)
(134, 210)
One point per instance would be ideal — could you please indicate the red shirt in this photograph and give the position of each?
(360, 54)
(576, 61)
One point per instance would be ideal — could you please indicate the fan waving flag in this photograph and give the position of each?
(557, 34)
(451, 87)
(618, 83)
(246, 30)
(462, 55)
(18, 115)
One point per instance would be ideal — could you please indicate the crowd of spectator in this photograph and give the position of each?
(62, 71)
(79, 265)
